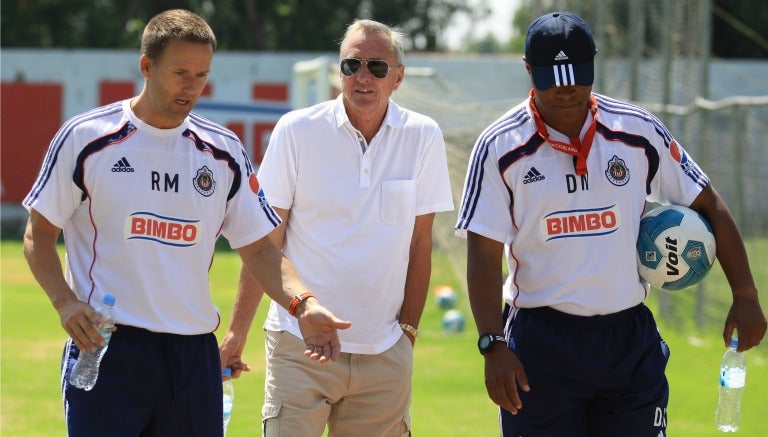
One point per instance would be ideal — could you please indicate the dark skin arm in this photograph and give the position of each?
(745, 314)
(504, 374)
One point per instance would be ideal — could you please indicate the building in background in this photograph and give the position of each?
(248, 92)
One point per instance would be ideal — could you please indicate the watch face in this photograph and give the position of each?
(485, 342)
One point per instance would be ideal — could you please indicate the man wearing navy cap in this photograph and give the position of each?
(558, 185)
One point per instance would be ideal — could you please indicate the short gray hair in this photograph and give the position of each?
(395, 35)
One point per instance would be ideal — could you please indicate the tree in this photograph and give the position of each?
(739, 30)
(278, 25)
(737, 27)
(487, 44)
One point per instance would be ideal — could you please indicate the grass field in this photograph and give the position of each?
(449, 394)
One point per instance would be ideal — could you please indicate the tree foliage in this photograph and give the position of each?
(277, 25)
(738, 28)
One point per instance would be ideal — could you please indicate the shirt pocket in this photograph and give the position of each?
(398, 201)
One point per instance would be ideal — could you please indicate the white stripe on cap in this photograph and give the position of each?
(564, 75)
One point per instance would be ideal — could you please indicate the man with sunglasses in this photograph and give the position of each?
(577, 353)
(357, 181)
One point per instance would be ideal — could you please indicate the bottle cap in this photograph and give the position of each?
(108, 299)
(227, 371)
(735, 342)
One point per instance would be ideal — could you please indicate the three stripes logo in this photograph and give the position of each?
(533, 175)
(563, 74)
(122, 166)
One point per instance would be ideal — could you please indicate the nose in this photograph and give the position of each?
(364, 73)
(194, 85)
(188, 83)
(565, 92)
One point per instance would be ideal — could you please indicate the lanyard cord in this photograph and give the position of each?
(576, 147)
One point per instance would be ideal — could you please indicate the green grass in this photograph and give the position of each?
(449, 393)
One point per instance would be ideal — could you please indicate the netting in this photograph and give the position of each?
(725, 137)
(462, 118)
(654, 53)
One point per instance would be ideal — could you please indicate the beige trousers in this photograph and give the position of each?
(358, 395)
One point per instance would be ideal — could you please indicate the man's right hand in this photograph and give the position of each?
(81, 322)
(319, 328)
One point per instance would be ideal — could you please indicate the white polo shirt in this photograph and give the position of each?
(352, 212)
(141, 209)
(570, 238)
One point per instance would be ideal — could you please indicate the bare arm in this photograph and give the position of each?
(503, 371)
(268, 267)
(77, 318)
(745, 314)
(249, 294)
(419, 271)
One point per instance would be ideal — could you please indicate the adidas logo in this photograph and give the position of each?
(122, 166)
(533, 175)
(561, 56)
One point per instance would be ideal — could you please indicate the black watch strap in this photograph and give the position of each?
(486, 342)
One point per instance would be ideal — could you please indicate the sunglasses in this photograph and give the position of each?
(377, 67)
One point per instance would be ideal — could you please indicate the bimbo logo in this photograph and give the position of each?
(580, 223)
(164, 230)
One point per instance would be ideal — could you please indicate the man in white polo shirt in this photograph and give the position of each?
(357, 181)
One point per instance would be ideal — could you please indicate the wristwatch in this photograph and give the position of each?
(486, 342)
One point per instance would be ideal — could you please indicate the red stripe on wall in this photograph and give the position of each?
(277, 92)
(261, 133)
(31, 115)
(112, 91)
(238, 128)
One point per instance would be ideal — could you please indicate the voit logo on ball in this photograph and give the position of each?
(675, 247)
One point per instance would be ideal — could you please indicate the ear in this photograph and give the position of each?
(527, 67)
(400, 72)
(145, 66)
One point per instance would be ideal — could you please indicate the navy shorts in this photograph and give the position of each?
(150, 384)
(589, 376)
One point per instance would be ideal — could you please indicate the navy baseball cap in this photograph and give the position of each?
(560, 49)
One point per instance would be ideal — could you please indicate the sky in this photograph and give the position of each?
(498, 23)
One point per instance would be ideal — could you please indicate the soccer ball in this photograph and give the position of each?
(453, 321)
(675, 247)
(445, 296)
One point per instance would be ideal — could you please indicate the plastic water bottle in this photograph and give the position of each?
(86, 369)
(229, 397)
(733, 375)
